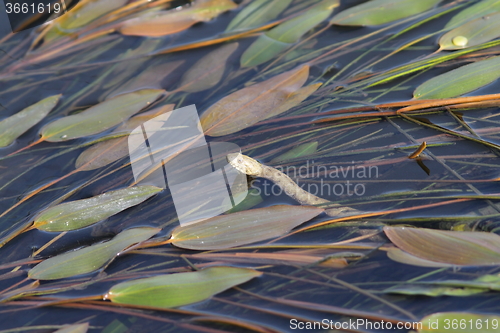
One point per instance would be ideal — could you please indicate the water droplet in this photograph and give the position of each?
(64, 136)
(460, 41)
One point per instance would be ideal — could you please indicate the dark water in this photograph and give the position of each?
(395, 182)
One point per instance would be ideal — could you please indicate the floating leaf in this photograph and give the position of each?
(461, 80)
(433, 291)
(459, 322)
(463, 248)
(174, 21)
(376, 12)
(150, 78)
(207, 72)
(99, 117)
(240, 228)
(299, 151)
(16, 125)
(405, 258)
(109, 151)
(482, 8)
(90, 258)
(284, 35)
(478, 31)
(81, 213)
(76, 328)
(173, 290)
(85, 11)
(250, 105)
(257, 13)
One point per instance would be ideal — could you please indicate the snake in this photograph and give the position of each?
(247, 165)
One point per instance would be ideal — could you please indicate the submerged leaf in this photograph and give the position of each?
(207, 72)
(257, 13)
(433, 291)
(81, 213)
(478, 31)
(173, 290)
(100, 117)
(250, 105)
(90, 258)
(16, 125)
(240, 228)
(284, 35)
(482, 8)
(174, 21)
(459, 322)
(462, 248)
(461, 80)
(299, 151)
(109, 151)
(376, 12)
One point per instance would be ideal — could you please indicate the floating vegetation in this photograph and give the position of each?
(341, 161)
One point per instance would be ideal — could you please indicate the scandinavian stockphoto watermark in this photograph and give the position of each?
(321, 180)
(26, 14)
(171, 151)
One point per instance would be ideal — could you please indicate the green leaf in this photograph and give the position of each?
(472, 33)
(299, 151)
(82, 213)
(76, 328)
(241, 228)
(164, 23)
(250, 105)
(173, 290)
(13, 127)
(460, 81)
(257, 13)
(99, 117)
(463, 248)
(90, 258)
(482, 8)
(284, 35)
(433, 291)
(459, 322)
(376, 12)
(111, 150)
(207, 72)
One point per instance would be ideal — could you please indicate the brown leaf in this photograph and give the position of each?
(250, 105)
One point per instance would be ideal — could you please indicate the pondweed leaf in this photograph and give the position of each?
(459, 322)
(90, 258)
(250, 105)
(405, 258)
(257, 13)
(433, 291)
(100, 117)
(241, 228)
(472, 33)
(376, 12)
(268, 45)
(464, 248)
(84, 12)
(174, 290)
(299, 151)
(253, 198)
(76, 328)
(207, 72)
(81, 213)
(150, 78)
(461, 80)
(482, 8)
(109, 151)
(13, 127)
(482, 284)
(174, 21)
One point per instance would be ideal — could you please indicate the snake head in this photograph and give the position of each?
(245, 164)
